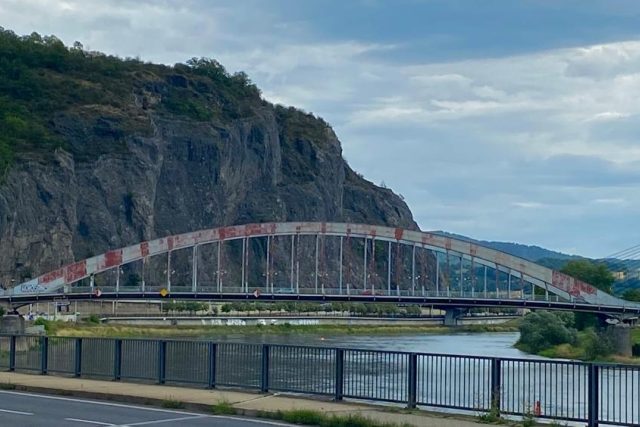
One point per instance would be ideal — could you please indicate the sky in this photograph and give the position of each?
(500, 120)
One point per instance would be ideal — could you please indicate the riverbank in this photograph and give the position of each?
(131, 331)
(583, 349)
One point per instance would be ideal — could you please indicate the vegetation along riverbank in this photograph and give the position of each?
(577, 335)
(91, 329)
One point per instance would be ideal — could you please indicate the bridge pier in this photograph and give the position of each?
(452, 315)
(621, 339)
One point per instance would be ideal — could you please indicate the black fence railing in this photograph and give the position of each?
(598, 394)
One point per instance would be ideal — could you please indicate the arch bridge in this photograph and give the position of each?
(318, 261)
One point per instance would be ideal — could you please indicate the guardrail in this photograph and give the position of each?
(563, 390)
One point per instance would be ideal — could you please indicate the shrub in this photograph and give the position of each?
(596, 344)
(93, 319)
(542, 329)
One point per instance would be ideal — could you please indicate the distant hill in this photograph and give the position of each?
(529, 252)
(557, 260)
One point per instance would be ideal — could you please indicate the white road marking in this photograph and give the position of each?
(166, 420)
(9, 411)
(141, 408)
(92, 402)
(78, 420)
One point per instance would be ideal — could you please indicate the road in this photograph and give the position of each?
(40, 410)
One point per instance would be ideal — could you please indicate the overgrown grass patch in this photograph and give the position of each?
(223, 408)
(317, 418)
(172, 404)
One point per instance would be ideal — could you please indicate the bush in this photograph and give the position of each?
(596, 344)
(636, 350)
(93, 319)
(542, 329)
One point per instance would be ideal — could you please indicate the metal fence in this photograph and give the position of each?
(599, 394)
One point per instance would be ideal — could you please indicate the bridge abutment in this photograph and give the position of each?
(452, 315)
(12, 324)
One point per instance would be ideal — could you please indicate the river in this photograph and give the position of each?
(529, 383)
(492, 344)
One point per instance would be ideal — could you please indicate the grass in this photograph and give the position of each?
(223, 408)
(317, 418)
(7, 386)
(132, 331)
(172, 404)
(491, 417)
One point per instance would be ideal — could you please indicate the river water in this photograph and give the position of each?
(491, 344)
(554, 388)
(307, 363)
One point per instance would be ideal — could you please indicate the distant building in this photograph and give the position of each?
(620, 275)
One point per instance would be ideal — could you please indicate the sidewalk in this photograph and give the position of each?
(249, 404)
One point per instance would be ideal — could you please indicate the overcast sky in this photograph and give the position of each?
(500, 120)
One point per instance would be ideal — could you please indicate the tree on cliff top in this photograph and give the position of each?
(590, 272)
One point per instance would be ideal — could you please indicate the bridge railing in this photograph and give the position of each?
(552, 389)
(376, 291)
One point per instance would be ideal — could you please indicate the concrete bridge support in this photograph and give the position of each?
(621, 339)
(452, 315)
(12, 324)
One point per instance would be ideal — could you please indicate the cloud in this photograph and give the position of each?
(537, 145)
(605, 61)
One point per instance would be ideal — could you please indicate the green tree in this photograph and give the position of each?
(543, 329)
(595, 274)
(596, 344)
(631, 295)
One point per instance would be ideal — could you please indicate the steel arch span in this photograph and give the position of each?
(398, 250)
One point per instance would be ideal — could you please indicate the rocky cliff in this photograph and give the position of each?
(99, 152)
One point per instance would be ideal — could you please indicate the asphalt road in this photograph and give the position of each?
(19, 409)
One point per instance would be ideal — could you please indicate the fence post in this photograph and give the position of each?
(44, 355)
(412, 381)
(496, 385)
(78, 367)
(264, 383)
(12, 353)
(594, 395)
(162, 361)
(117, 360)
(339, 373)
(213, 350)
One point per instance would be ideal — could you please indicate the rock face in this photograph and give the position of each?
(172, 173)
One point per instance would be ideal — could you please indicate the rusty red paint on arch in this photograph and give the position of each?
(249, 230)
(75, 272)
(112, 258)
(399, 232)
(51, 276)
